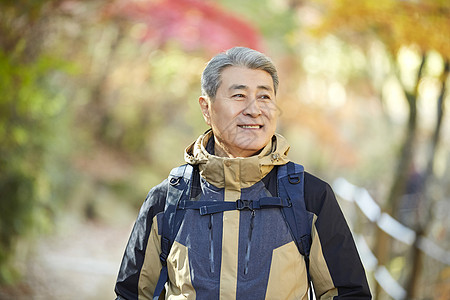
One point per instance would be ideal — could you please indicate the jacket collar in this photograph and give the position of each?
(240, 172)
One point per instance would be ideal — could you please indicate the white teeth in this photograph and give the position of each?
(250, 126)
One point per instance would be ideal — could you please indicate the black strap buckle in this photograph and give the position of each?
(244, 204)
(165, 246)
(163, 259)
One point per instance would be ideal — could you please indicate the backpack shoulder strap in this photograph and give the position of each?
(178, 188)
(291, 187)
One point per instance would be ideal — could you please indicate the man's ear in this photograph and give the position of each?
(204, 106)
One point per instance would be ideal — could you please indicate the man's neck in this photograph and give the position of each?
(222, 152)
(219, 151)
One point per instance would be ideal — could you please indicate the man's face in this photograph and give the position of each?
(243, 114)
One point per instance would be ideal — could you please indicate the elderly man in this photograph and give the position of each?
(239, 220)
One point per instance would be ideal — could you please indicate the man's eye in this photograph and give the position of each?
(238, 96)
(264, 97)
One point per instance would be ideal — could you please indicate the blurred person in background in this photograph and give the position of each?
(230, 224)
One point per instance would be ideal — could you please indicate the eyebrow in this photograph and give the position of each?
(244, 87)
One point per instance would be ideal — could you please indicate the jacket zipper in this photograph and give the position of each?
(211, 244)
(249, 243)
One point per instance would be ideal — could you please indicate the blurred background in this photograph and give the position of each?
(98, 100)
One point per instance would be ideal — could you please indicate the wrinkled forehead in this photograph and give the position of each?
(244, 78)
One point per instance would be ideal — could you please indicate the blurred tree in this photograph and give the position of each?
(29, 109)
(194, 24)
(422, 25)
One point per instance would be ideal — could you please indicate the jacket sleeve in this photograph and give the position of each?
(127, 284)
(335, 265)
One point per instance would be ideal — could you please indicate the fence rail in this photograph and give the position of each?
(372, 211)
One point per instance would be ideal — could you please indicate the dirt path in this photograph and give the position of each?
(79, 262)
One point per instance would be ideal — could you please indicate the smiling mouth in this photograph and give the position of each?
(250, 126)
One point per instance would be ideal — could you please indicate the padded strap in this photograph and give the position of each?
(291, 187)
(179, 183)
(299, 220)
(163, 277)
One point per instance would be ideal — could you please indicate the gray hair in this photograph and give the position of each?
(237, 56)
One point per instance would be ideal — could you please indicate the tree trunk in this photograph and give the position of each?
(383, 242)
(421, 228)
(407, 150)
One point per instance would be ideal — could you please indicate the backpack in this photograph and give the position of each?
(184, 181)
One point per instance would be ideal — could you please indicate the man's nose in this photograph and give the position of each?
(252, 108)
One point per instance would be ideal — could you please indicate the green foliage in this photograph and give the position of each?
(276, 20)
(28, 115)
